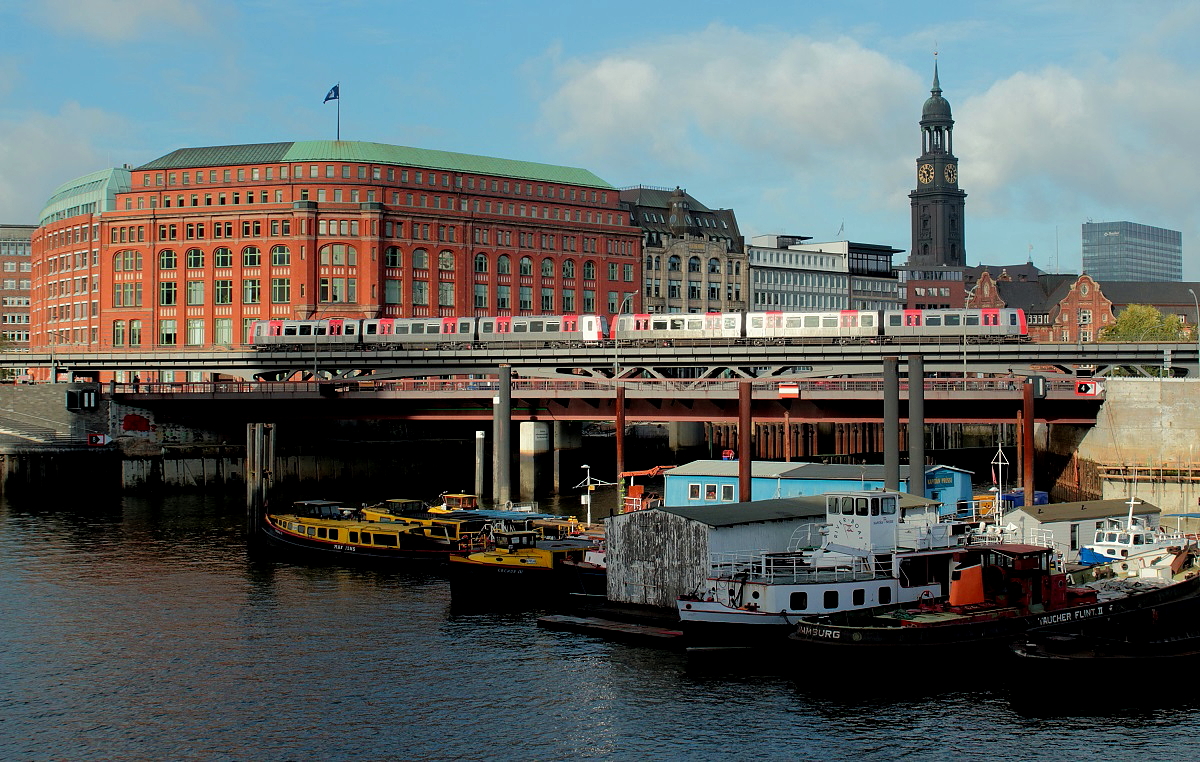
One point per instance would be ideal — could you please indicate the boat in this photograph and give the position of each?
(874, 550)
(394, 529)
(524, 565)
(1134, 537)
(996, 594)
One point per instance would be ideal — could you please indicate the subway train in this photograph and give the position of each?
(729, 328)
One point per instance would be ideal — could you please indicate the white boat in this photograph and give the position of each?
(870, 554)
(1129, 540)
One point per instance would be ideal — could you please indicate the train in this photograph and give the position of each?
(651, 329)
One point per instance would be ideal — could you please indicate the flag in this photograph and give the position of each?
(841, 229)
(333, 94)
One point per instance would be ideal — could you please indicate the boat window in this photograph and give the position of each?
(353, 536)
(1123, 538)
(833, 506)
(366, 538)
(333, 534)
(831, 599)
(848, 506)
(859, 596)
(322, 532)
(885, 596)
(1110, 537)
(798, 602)
(1139, 539)
(874, 506)
(386, 539)
(1099, 536)
(889, 506)
(860, 506)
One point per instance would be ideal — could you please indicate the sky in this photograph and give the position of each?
(802, 117)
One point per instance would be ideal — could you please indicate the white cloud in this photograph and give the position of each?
(42, 151)
(118, 20)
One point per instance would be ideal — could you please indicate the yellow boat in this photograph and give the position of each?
(523, 565)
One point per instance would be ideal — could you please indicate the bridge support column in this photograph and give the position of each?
(891, 423)
(745, 446)
(1027, 445)
(684, 435)
(535, 446)
(568, 454)
(259, 472)
(502, 437)
(916, 425)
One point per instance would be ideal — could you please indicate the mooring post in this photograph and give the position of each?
(479, 461)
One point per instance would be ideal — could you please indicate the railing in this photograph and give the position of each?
(775, 568)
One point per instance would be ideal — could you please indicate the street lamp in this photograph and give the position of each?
(616, 341)
(587, 496)
(1197, 303)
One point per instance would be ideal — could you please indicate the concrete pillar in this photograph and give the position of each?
(535, 451)
(502, 436)
(682, 435)
(745, 433)
(568, 454)
(891, 423)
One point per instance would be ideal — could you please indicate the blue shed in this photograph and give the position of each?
(710, 482)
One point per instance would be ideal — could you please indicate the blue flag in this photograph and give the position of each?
(333, 94)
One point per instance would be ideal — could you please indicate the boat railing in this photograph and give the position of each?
(791, 567)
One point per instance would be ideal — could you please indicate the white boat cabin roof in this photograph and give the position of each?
(764, 469)
(780, 509)
(1086, 510)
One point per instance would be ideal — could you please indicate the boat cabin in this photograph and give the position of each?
(322, 509)
(514, 541)
(459, 502)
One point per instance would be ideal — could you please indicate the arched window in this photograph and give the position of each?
(222, 257)
(694, 265)
(168, 259)
(127, 261)
(547, 268)
(392, 257)
(674, 264)
(503, 266)
(280, 255)
(526, 266)
(446, 260)
(714, 266)
(649, 263)
(251, 257)
(420, 259)
(338, 254)
(481, 263)
(589, 270)
(568, 268)
(195, 259)
(657, 263)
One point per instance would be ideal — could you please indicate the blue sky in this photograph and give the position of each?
(800, 116)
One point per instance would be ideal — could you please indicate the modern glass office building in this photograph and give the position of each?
(1129, 252)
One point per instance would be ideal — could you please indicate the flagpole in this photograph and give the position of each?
(339, 112)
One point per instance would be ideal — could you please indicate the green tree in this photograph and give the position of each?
(1141, 322)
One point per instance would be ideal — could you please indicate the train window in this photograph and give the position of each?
(756, 322)
(793, 322)
(554, 327)
(894, 320)
(971, 319)
(464, 327)
(1012, 318)
(676, 324)
(658, 325)
(933, 320)
(535, 326)
(731, 322)
(849, 321)
(520, 327)
(402, 328)
(829, 321)
(418, 328)
(289, 330)
(867, 320)
(812, 321)
(348, 329)
(953, 319)
(370, 329)
(306, 330)
(695, 325)
(485, 327)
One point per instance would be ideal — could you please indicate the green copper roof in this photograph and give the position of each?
(90, 194)
(373, 153)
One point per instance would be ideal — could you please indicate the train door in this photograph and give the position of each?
(848, 324)
(449, 325)
(504, 325)
(912, 318)
(333, 327)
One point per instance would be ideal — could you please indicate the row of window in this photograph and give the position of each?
(130, 294)
(653, 288)
(11, 284)
(12, 267)
(130, 260)
(675, 264)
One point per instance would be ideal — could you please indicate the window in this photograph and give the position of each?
(446, 260)
(281, 291)
(195, 332)
(251, 291)
(547, 300)
(568, 269)
(222, 292)
(167, 294)
(167, 259)
(420, 294)
(195, 292)
(589, 270)
(392, 257)
(445, 294)
(481, 296)
(526, 298)
(118, 333)
(526, 266)
(280, 255)
(547, 268)
(222, 256)
(503, 297)
(503, 265)
(392, 292)
(420, 259)
(167, 332)
(135, 333)
(223, 332)
(251, 256)
(481, 264)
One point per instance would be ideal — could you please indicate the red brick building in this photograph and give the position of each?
(188, 250)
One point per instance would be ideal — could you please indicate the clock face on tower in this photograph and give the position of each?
(925, 173)
(951, 173)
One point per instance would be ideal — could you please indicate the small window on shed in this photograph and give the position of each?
(710, 492)
(727, 493)
(693, 492)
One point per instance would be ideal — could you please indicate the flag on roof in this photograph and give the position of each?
(333, 94)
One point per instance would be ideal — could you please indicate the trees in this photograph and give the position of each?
(1141, 322)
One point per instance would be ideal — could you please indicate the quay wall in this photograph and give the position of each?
(1146, 442)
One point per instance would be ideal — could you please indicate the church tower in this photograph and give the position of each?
(937, 202)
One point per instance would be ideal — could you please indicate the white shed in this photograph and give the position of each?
(1072, 525)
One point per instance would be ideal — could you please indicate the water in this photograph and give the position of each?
(138, 629)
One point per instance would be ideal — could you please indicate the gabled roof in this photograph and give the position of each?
(1037, 296)
(377, 153)
(1122, 293)
(1086, 510)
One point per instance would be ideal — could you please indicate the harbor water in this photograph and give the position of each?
(143, 629)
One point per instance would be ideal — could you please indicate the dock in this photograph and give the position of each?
(627, 632)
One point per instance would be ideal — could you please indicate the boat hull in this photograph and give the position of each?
(865, 634)
(505, 585)
(311, 549)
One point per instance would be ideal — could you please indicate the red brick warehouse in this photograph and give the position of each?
(186, 251)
